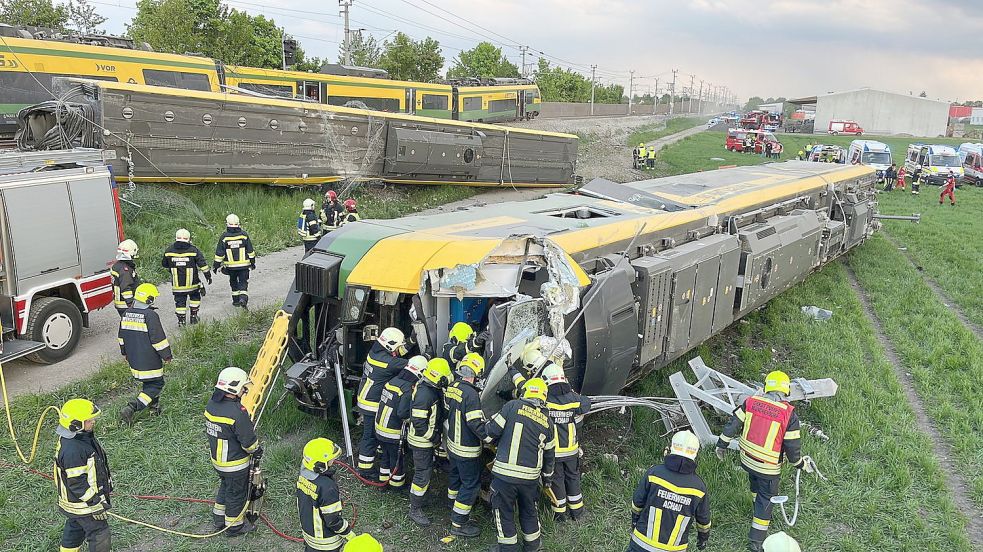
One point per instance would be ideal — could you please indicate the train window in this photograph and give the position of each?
(377, 104)
(177, 79)
(472, 104)
(433, 101)
(579, 213)
(496, 106)
(22, 88)
(268, 89)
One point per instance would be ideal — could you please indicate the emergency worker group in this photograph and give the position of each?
(417, 415)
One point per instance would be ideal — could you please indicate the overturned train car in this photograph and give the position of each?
(634, 275)
(167, 134)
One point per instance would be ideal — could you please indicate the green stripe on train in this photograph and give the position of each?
(485, 115)
(105, 57)
(320, 77)
(12, 108)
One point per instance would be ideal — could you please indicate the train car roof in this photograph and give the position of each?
(616, 212)
(52, 47)
(239, 71)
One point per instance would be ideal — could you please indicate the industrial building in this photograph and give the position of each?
(879, 112)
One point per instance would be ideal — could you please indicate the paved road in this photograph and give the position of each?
(267, 286)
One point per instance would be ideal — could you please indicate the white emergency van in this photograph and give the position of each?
(871, 153)
(971, 157)
(933, 162)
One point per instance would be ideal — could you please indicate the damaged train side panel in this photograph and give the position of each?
(630, 282)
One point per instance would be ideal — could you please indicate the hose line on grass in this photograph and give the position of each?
(10, 423)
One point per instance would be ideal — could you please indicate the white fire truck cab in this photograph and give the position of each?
(60, 223)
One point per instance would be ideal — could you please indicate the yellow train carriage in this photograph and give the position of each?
(27, 67)
(489, 104)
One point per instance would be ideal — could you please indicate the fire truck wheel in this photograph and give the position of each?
(57, 323)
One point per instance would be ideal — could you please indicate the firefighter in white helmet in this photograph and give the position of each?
(669, 498)
(389, 425)
(233, 447)
(235, 257)
(309, 225)
(780, 542)
(187, 265)
(384, 362)
(124, 274)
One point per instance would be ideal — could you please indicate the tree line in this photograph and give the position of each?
(212, 29)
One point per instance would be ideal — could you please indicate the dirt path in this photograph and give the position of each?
(937, 289)
(954, 481)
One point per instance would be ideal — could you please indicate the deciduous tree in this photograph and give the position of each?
(482, 61)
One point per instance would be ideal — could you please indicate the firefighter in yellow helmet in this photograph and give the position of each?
(425, 410)
(780, 542)
(669, 498)
(318, 500)
(457, 343)
(640, 155)
(767, 430)
(144, 345)
(526, 440)
(82, 479)
(363, 543)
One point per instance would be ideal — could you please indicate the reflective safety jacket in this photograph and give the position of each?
(81, 472)
(388, 422)
(426, 414)
(769, 430)
(125, 282)
(651, 153)
(667, 499)
(184, 261)
(319, 507)
(331, 214)
(309, 225)
(567, 409)
(465, 420)
(143, 343)
(234, 249)
(453, 351)
(641, 152)
(231, 436)
(385, 367)
(526, 441)
(350, 217)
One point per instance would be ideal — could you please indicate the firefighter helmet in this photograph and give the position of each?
(438, 372)
(471, 366)
(461, 331)
(553, 373)
(778, 381)
(331, 195)
(308, 204)
(232, 380)
(146, 293)
(76, 412)
(686, 444)
(127, 250)
(350, 205)
(392, 339)
(641, 144)
(534, 389)
(363, 543)
(780, 542)
(417, 365)
(533, 359)
(232, 220)
(183, 235)
(318, 454)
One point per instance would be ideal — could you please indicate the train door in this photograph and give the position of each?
(311, 90)
(520, 104)
(411, 100)
(610, 328)
(455, 112)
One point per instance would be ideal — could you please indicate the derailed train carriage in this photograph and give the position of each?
(632, 275)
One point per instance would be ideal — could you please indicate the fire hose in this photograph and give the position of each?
(808, 466)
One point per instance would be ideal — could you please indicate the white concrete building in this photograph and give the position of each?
(880, 112)
(976, 118)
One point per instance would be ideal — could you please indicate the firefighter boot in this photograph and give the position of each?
(181, 320)
(154, 408)
(194, 317)
(239, 530)
(244, 302)
(467, 530)
(126, 415)
(416, 512)
(754, 546)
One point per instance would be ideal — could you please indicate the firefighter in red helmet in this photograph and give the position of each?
(351, 212)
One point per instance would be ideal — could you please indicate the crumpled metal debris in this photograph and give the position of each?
(816, 313)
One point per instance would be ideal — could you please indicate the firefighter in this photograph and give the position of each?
(331, 211)
(82, 479)
(185, 261)
(463, 340)
(526, 441)
(383, 363)
(233, 447)
(124, 274)
(389, 426)
(351, 212)
(567, 409)
(465, 435)
(640, 155)
(235, 257)
(318, 500)
(650, 158)
(916, 181)
(801, 155)
(768, 431)
(425, 412)
(521, 370)
(949, 189)
(144, 345)
(309, 225)
(780, 542)
(668, 497)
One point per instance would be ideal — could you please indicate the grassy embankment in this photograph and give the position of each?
(649, 133)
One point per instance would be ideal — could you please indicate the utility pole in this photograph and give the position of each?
(692, 79)
(631, 83)
(345, 4)
(655, 99)
(699, 100)
(523, 49)
(672, 92)
(593, 72)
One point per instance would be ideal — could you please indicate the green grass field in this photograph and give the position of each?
(654, 132)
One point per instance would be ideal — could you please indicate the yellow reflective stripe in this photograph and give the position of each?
(219, 258)
(376, 363)
(331, 508)
(701, 527)
(636, 509)
(760, 523)
(76, 472)
(725, 438)
(420, 413)
(570, 406)
(515, 470)
(131, 325)
(514, 443)
(474, 415)
(759, 466)
(793, 435)
(147, 374)
(218, 419)
(675, 488)
(741, 415)
(652, 544)
(679, 526)
(161, 345)
(499, 420)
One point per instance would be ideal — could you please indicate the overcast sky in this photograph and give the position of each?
(755, 47)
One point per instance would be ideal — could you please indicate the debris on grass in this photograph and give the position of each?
(816, 313)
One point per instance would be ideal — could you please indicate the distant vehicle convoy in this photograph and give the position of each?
(841, 126)
(932, 163)
(737, 139)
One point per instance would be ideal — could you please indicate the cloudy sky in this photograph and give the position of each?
(755, 47)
